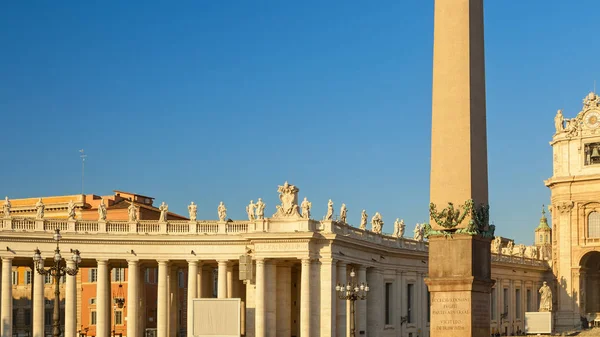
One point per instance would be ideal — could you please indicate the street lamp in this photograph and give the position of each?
(57, 271)
(352, 292)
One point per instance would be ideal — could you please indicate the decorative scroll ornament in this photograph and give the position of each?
(288, 194)
(449, 218)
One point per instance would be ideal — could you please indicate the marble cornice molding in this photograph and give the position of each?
(120, 242)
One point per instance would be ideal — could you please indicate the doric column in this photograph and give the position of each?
(328, 297)
(102, 305)
(341, 304)
(284, 301)
(192, 292)
(71, 303)
(7, 300)
(271, 300)
(361, 305)
(229, 280)
(38, 304)
(132, 298)
(305, 298)
(173, 298)
(199, 285)
(260, 299)
(222, 279)
(162, 299)
(375, 302)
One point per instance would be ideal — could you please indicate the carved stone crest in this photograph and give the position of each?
(565, 207)
(288, 194)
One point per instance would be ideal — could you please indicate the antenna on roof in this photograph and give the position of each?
(82, 156)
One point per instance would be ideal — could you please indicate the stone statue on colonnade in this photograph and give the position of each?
(132, 212)
(306, 205)
(343, 213)
(6, 207)
(260, 209)
(193, 210)
(545, 298)
(222, 211)
(39, 206)
(376, 223)
(102, 210)
(250, 209)
(71, 210)
(418, 232)
(398, 228)
(164, 209)
(329, 215)
(363, 219)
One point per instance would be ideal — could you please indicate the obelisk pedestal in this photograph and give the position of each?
(459, 233)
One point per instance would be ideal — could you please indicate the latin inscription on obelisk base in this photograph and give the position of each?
(459, 229)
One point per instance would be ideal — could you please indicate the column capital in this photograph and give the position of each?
(193, 261)
(306, 261)
(7, 258)
(362, 267)
(132, 261)
(341, 263)
(220, 262)
(260, 261)
(327, 260)
(163, 262)
(102, 261)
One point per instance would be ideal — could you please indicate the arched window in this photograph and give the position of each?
(594, 225)
(541, 238)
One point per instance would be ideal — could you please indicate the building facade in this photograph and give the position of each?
(575, 209)
(289, 291)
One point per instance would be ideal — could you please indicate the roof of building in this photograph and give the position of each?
(543, 226)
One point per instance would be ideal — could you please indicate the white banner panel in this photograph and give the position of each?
(216, 317)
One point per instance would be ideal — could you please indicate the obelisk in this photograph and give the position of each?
(459, 230)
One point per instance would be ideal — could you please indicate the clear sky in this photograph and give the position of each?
(212, 101)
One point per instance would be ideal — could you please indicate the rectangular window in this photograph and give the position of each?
(181, 279)
(15, 277)
(493, 304)
(151, 275)
(93, 275)
(93, 318)
(528, 300)
(518, 303)
(119, 317)
(92, 301)
(28, 277)
(118, 275)
(389, 303)
(410, 294)
(48, 317)
(27, 317)
(48, 279)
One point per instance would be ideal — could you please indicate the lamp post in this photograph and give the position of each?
(58, 270)
(352, 292)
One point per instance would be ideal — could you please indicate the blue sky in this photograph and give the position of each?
(224, 100)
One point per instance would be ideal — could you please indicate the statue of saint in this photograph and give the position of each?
(222, 211)
(260, 209)
(398, 228)
(496, 244)
(306, 205)
(363, 219)
(343, 213)
(250, 209)
(418, 232)
(164, 209)
(39, 206)
(545, 298)
(192, 210)
(132, 212)
(6, 207)
(559, 121)
(71, 210)
(376, 223)
(102, 211)
(329, 215)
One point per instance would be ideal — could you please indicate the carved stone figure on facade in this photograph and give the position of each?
(343, 213)
(559, 121)
(532, 252)
(398, 228)
(521, 250)
(260, 209)
(545, 298)
(329, 215)
(6, 207)
(306, 205)
(250, 210)
(509, 248)
(496, 245)
(376, 223)
(288, 194)
(590, 101)
(102, 210)
(363, 219)
(222, 211)
(164, 209)
(39, 208)
(193, 211)
(71, 210)
(132, 212)
(418, 232)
